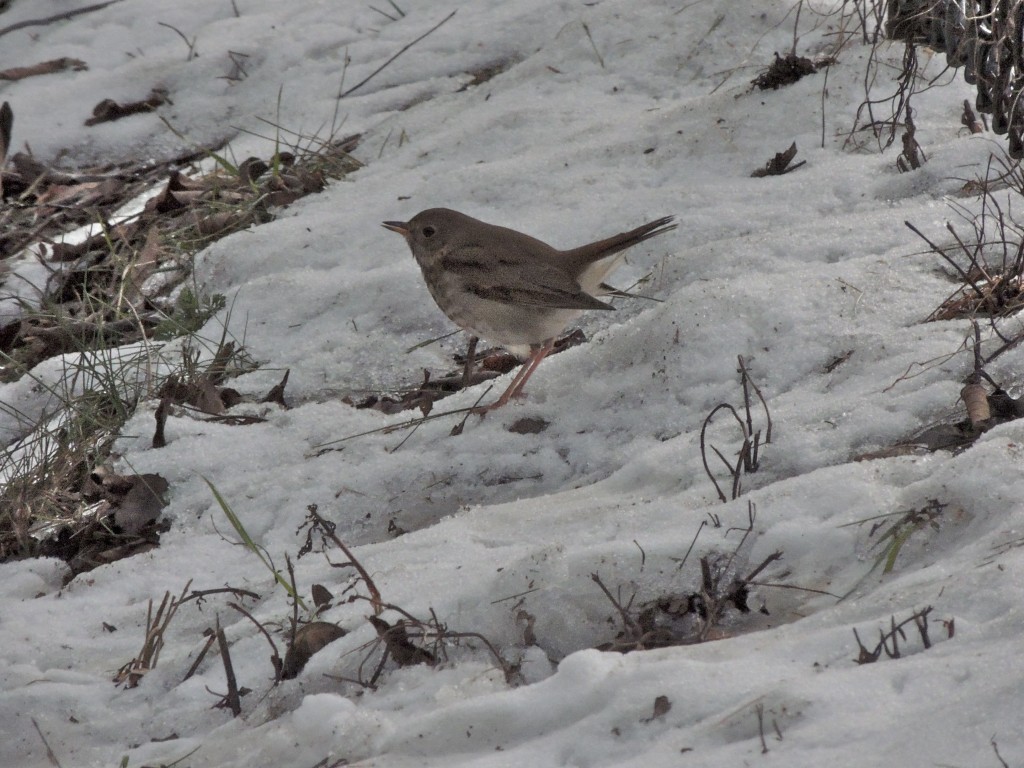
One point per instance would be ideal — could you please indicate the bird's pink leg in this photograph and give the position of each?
(515, 388)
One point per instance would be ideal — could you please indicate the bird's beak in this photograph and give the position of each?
(400, 227)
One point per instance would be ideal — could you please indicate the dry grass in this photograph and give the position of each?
(114, 295)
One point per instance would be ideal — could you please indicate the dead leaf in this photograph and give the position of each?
(398, 644)
(308, 640)
(529, 635)
(109, 110)
(528, 426)
(43, 68)
(784, 71)
(662, 705)
(200, 393)
(276, 394)
(135, 500)
(222, 222)
(780, 164)
(32, 171)
(159, 440)
(251, 169)
(140, 269)
(322, 596)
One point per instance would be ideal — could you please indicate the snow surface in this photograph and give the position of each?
(789, 272)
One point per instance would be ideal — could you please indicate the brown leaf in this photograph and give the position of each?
(201, 393)
(159, 440)
(165, 202)
(142, 502)
(780, 164)
(66, 252)
(284, 197)
(276, 394)
(529, 635)
(217, 370)
(43, 68)
(88, 193)
(784, 71)
(31, 170)
(109, 110)
(398, 644)
(65, 194)
(207, 398)
(308, 640)
(528, 426)
(230, 398)
(178, 181)
(222, 222)
(662, 705)
(251, 169)
(8, 335)
(975, 397)
(322, 596)
(140, 269)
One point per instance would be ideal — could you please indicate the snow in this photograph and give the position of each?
(789, 272)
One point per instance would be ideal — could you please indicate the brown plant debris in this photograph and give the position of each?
(689, 616)
(109, 110)
(838, 360)
(107, 518)
(912, 157)
(322, 597)
(984, 409)
(130, 674)
(785, 70)
(528, 425)
(309, 639)
(403, 641)
(398, 646)
(315, 524)
(889, 642)
(56, 17)
(400, 51)
(200, 393)
(112, 288)
(486, 72)
(868, 124)
(276, 393)
(233, 698)
(43, 68)
(970, 120)
(748, 456)
(662, 706)
(987, 259)
(780, 164)
(122, 285)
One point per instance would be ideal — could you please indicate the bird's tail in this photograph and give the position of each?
(594, 253)
(609, 246)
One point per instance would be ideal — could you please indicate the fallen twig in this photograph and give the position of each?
(56, 17)
(402, 50)
(232, 697)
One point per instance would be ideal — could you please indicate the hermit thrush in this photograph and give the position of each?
(508, 287)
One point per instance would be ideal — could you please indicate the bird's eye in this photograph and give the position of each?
(429, 231)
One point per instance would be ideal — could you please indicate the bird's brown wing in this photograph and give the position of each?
(520, 281)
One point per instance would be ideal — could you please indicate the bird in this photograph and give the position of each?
(510, 288)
